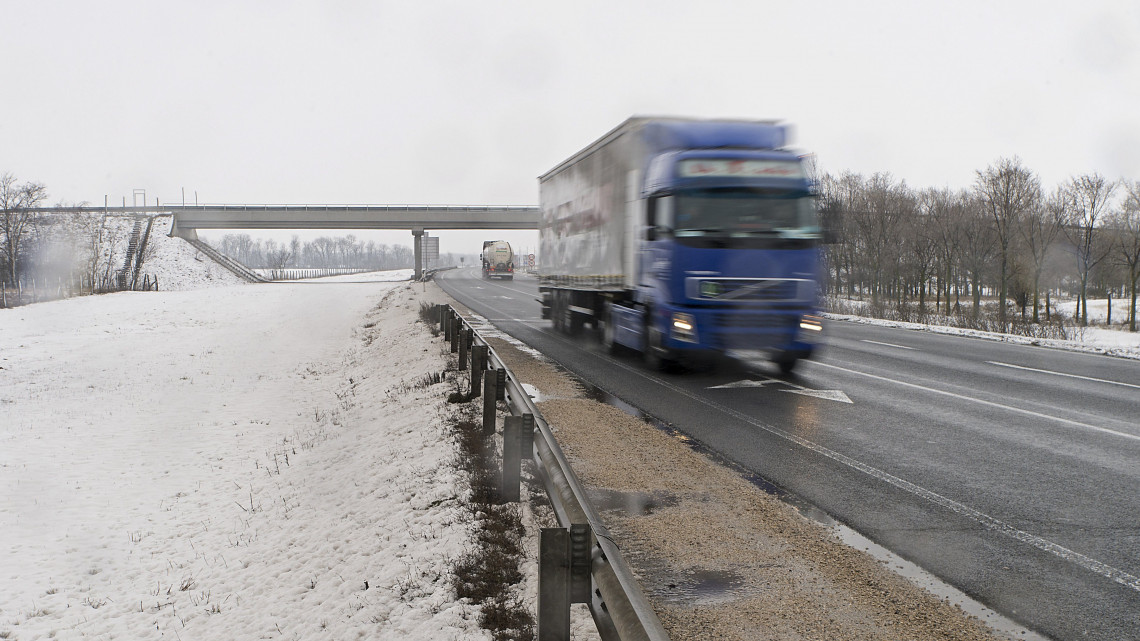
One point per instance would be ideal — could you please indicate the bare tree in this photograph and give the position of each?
(1040, 228)
(15, 201)
(978, 242)
(1007, 191)
(876, 218)
(920, 238)
(277, 256)
(1090, 196)
(942, 211)
(1127, 248)
(838, 198)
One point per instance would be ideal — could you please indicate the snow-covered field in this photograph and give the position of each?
(238, 462)
(1097, 340)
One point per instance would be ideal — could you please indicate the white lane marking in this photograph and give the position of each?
(1045, 545)
(886, 344)
(744, 383)
(827, 394)
(1045, 371)
(1010, 408)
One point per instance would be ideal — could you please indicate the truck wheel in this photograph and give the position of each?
(608, 330)
(568, 321)
(787, 365)
(656, 357)
(564, 319)
(573, 321)
(556, 311)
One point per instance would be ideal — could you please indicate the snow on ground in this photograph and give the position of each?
(238, 462)
(177, 264)
(1096, 340)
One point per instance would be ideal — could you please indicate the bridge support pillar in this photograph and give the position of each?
(418, 244)
(189, 233)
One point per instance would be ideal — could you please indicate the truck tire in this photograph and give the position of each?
(656, 357)
(556, 310)
(571, 323)
(786, 365)
(608, 341)
(565, 320)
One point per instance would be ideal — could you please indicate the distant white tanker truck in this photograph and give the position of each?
(498, 260)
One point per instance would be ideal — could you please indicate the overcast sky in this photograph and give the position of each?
(468, 102)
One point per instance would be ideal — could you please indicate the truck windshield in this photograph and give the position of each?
(743, 212)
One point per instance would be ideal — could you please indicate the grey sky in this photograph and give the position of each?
(467, 102)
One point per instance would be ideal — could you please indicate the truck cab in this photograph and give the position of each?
(730, 258)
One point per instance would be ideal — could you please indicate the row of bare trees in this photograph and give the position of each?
(320, 253)
(1006, 237)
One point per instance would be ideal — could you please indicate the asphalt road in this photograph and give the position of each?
(1011, 472)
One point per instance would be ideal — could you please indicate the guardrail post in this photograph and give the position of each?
(526, 438)
(446, 324)
(441, 310)
(501, 384)
(489, 404)
(478, 364)
(512, 459)
(580, 562)
(463, 334)
(456, 323)
(554, 585)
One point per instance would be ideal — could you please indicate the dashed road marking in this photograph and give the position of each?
(1045, 371)
(1009, 408)
(886, 344)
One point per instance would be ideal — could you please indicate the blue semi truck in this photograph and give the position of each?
(677, 237)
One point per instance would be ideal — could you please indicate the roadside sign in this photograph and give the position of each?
(530, 260)
(431, 247)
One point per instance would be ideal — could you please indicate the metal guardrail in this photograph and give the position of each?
(430, 273)
(579, 562)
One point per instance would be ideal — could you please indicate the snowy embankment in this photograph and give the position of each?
(175, 263)
(230, 463)
(1093, 340)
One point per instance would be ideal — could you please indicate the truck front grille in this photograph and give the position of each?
(769, 290)
(730, 320)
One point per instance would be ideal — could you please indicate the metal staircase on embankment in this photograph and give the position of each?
(128, 276)
(241, 271)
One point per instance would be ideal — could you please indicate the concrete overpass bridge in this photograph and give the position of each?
(188, 219)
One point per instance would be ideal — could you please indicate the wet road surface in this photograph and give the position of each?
(1011, 472)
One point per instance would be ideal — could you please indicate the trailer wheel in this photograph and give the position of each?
(565, 320)
(571, 322)
(556, 310)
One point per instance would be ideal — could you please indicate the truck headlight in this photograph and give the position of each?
(811, 327)
(684, 327)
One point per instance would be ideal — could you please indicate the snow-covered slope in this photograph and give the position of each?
(178, 265)
(227, 463)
